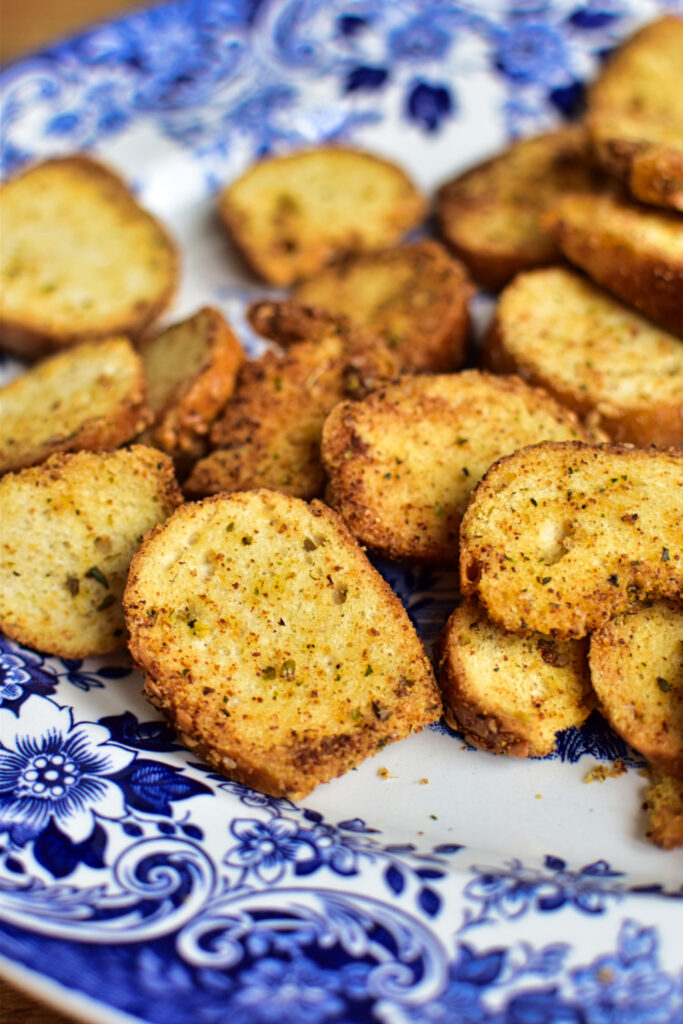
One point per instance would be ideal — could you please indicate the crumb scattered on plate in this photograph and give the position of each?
(603, 771)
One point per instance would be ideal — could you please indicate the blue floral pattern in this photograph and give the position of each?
(61, 775)
(120, 856)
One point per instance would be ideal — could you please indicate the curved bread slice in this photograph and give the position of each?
(69, 529)
(414, 296)
(635, 113)
(403, 462)
(270, 430)
(509, 694)
(289, 215)
(191, 369)
(664, 806)
(491, 215)
(559, 537)
(91, 396)
(636, 664)
(272, 645)
(633, 251)
(614, 368)
(79, 258)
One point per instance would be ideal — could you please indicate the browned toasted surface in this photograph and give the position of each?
(191, 370)
(635, 113)
(414, 296)
(615, 368)
(89, 397)
(664, 806)
(636, 664)
(634, 251)
(69, 529)
(79, 257)
(289, 215)
(491, 215)
(509, 694)
(270, 430)
(402, 463)
(561, 536)
(293, 660)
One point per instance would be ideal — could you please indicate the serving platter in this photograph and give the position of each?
(435, 883)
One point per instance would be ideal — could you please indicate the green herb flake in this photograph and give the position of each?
(230, 527)
(246, 540)
(665, 554)
(288, 669)
(269, 672)
(96, 574)
(663, 684)
(368, 670)
(107, 602)
(533, 502)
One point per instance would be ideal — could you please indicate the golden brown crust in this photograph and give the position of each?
(509, 694)
(81, 259)
(559, 537)
(637, 673)
(635, 113)
(198, 360)
(413, 296)
(293, 661)
(90, 397)
(290, 215)
(618, 371)
(633, 251)
(270, 430)
(491, 215)
(402, 463)
(664, 806)
(69, 529)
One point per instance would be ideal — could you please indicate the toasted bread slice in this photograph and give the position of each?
(634, 251)
(664, 805)
(270, 430)
(289, 215)
(293, 661)
(191, 370)
(403, 462)
(635, 113)
(69, 529)
(616, 369)
(414, 296)
(561, 536)
(79, 258)
(509, 694)
(636, 664)
(91, 396)
(491, 215)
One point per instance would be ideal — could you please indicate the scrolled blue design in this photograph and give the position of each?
(156, 885)
(406, 961)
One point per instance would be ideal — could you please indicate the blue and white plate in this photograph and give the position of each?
(435, 883)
